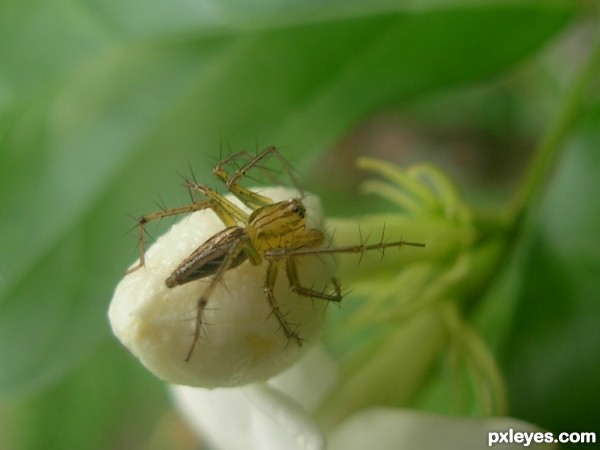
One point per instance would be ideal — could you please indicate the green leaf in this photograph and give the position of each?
(551, 356)
(103, 103)
(105, 403)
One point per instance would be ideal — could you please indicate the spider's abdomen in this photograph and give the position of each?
(207, 258)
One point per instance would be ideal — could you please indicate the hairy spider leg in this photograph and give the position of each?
(232, 182)
(236, 247)
(289, 256)
(226, 211)
(311, 238)
(359, 248)
(270, 279)
(296, 286)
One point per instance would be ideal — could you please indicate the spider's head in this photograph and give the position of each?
(294, 206)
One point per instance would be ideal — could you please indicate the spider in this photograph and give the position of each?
(273, 232)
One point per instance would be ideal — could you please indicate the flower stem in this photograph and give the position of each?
(553, 142)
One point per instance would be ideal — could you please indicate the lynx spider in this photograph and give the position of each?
(275, 232)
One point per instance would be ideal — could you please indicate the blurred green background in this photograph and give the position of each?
(104, 103)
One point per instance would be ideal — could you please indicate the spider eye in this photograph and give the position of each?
(297, 208)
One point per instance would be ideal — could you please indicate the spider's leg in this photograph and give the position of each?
(359, 248)
(270, 279)
(168, 212)
(232, 181)
(227, 263)
(220, 170)
(227, 211)
(295, 285)
(289, 255)
(255, 160)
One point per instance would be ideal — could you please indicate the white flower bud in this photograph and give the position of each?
(242, 341)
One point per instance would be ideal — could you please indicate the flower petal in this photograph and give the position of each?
(255, 416)
(310, 379)
(391, 429)
(242, 341)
